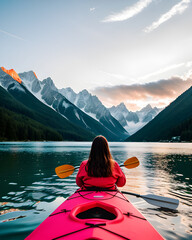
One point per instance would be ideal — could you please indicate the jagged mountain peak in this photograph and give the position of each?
(68, 93)
(9, 80)
(29, 76)
(12, 73)
(49, 83)
(68, 89)
(35, 75)
(85, 92)
(146, 108)
(122, 104)
(122, 107)
(31, 81)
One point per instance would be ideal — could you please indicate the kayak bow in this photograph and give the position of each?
(95, 215)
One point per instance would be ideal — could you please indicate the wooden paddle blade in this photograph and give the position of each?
(64, 170)
(132, 162)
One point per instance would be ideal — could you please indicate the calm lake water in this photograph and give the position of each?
(30, 189)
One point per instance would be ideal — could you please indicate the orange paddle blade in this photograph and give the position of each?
(132, 162)
(64, 170)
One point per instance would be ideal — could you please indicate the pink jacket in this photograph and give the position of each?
(117, 178)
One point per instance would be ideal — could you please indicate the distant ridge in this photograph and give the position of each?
(174, 119)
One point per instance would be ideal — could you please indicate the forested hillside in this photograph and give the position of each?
(32, 120)
(184, 130)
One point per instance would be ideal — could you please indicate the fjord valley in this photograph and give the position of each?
(36, 110)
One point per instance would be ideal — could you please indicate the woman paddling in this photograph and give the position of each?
(100, 170)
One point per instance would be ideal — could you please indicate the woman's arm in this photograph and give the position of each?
(121, 179)
(79, 177)
(79, 182)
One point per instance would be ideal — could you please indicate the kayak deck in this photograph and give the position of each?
(95, 215)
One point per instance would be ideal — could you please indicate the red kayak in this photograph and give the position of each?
(95, 215)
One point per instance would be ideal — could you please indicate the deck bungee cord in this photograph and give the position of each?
(91, 225)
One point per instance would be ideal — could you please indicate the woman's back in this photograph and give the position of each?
(86, 181)
(100, 170)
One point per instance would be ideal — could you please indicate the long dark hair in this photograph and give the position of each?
(100, 162)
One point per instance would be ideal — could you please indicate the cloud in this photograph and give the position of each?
(12, 35)
(128, 12)
(163, 70)
(162, 91)
(114, 75)
(92, 9)
(176, 9)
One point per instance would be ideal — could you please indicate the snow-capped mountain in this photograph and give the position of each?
(47, 92)
(133, 121)
(147, 113)
(92, 106)
(8, 80)
(27, 118)
(86, 102)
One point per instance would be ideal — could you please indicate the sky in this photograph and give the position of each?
(133, 51)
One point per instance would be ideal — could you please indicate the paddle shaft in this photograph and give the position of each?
(69, 170)
(124, 165)
(121, 165)
(142, 196)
